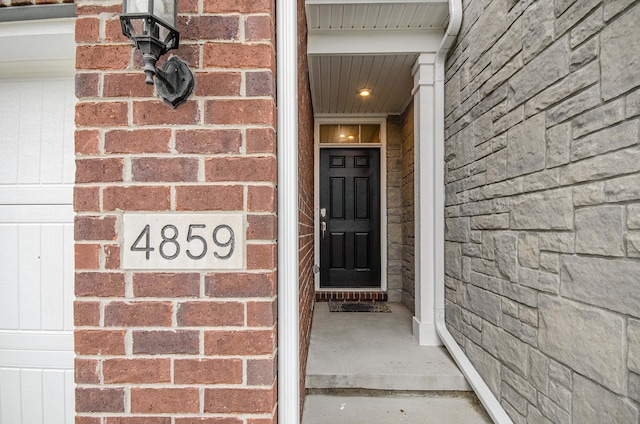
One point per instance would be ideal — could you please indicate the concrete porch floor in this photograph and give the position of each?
(368, 368)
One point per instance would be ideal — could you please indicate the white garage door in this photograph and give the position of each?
(36, 230)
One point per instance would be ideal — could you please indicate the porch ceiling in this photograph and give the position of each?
(355, 44)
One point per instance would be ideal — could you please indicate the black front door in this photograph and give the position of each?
(349, 218)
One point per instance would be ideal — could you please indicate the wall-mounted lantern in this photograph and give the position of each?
(151, 24)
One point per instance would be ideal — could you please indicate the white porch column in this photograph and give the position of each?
(428, 260)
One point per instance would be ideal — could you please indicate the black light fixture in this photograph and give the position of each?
(151, 24)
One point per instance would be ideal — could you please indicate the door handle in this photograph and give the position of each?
(323, 228)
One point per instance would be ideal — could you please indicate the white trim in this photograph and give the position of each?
(382, 146)
(41, 48)
(349, 118)
(354, 2)
(37, 12)
(288, 264)
(335, 42)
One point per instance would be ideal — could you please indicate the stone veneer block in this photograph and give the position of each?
(633, 216)
(558, 144)
(612, 138)
(453, 262)
(587, 339)
(633, 245)
(611, 284)
(633, 335)
(526, 148)
(622, 189)
(487, 366)
(593, 404)
(599, 231)
(545, 69)
(598, 167)
(549, 210)
(505, 347)
(484, 304)
(619, 59)
(528, 251)
(457, 229)
(539, 371)
(634, 386)
(538, 26)
(506, 254)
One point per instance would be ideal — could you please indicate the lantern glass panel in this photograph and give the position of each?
(165, 10)
(136, 6)
(138, 26)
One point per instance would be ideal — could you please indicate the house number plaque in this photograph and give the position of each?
(183, 241)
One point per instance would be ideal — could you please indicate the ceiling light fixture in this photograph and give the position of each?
(364, 92)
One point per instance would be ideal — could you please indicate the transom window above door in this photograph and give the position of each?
(350, 134)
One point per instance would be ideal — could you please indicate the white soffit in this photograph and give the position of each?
(371, 14)
(25, 44)
(354, 44)
(335, 82)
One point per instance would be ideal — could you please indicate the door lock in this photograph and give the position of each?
(323, 228)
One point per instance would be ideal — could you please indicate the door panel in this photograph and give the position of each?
(36, 229)
(350, 193)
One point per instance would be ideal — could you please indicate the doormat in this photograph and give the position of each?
(335, 306)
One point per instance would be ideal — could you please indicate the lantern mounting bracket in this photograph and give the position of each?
(174, 81)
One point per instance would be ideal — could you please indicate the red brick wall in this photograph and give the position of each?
(167, 347)
(305, 196)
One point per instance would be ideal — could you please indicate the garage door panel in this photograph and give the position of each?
(36, 359)
(29, 274)
(54, 166)
(56, 282)
(9, 307)
(37, 172)
(35, 127)
(10, 396)
(36, 396)
(36, 213)
(30, 130)
(38, 291)
(32, 389)
(36, 194)
(9, 139)
(51, 341)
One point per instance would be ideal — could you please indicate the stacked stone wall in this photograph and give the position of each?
(408, 214)
(542, 237)
(394, 209)
(176, 346)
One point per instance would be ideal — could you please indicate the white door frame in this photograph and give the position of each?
(352, 119)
